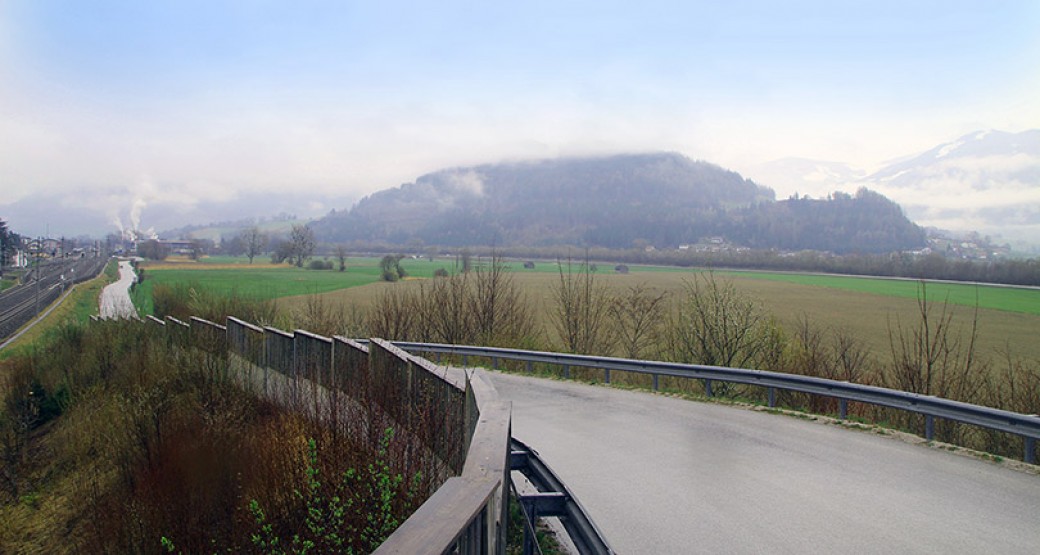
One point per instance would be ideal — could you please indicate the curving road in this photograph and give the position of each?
(664, 475)
(115, 298)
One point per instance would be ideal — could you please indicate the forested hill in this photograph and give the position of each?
(658, 199)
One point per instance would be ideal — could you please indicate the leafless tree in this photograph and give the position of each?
(933, 357)
(718, 326)
(580, 313)
(500, 309)
(301, 239)
(341, 255)
(637, 316)
(255, 241)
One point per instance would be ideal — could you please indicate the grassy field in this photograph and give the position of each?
(1008, 317)
(868, 315)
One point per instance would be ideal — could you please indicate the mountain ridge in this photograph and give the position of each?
(662, 199)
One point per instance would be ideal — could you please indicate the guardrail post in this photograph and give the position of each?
(929, 427)
(566, 372)
(465, 361)
(1030, 457)
(530, 538)
(772, 397)
(529, 367)
(494, 362)
(438, 357)
(843, 409)
(707, 388)
(606, 375)
(655, 381)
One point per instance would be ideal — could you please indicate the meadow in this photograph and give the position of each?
(1008, 318)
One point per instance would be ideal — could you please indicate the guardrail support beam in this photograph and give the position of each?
(707, 388)
(843, 409)
(1030, 455)
(655, 378)
(772, 397)
(929, 427)
(606, 375)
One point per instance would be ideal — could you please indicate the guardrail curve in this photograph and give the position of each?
(1026, 426)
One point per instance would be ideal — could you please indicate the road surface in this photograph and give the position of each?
(665, 475)
(115, 298)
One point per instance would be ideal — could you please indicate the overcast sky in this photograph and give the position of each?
(197, 100)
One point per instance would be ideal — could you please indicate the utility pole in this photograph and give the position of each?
(39, 247)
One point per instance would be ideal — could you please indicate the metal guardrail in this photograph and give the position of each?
(553, 499)
(1027, 426)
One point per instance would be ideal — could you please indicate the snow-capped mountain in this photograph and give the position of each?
(986, 181)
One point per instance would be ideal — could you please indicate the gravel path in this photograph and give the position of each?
(115, 298)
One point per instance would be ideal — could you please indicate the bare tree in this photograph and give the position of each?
(932, 357)
(449, 310)
(254, 241)
(301, 239)
(580, 312)
(717, 326)
(341, 255)
(500, 309)
(636, 316)
(393, 315)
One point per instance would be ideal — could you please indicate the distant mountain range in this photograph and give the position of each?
(661, 199)
(986, 181)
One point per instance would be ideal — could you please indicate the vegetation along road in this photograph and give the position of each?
(665, 475)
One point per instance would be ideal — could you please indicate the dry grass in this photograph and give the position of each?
(867, 316)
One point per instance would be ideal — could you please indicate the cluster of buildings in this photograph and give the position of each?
(32, 248)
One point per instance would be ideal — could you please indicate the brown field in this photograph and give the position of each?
(869, 316)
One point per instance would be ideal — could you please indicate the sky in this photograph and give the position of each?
(183, 102)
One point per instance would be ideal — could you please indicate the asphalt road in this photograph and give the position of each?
(115, 297)
(664, 475)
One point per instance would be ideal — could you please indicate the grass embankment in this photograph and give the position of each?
(77, 307)
(116, 440)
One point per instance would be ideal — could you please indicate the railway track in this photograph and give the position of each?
(42, 286)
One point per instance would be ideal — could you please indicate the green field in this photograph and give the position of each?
(225, 274)
(1008, 317)
(1012, 299)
